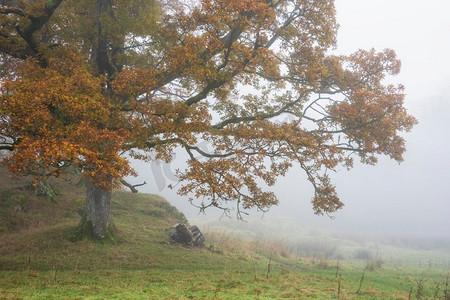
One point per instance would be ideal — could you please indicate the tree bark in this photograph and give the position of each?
(97, 211)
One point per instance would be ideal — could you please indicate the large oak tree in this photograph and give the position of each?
(84, 83)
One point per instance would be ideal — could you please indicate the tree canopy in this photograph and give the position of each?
(85, 82)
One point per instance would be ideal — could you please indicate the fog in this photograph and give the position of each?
(411, 198)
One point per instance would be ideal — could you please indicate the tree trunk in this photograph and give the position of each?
(97, 211)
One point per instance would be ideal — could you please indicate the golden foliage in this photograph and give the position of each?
(253, 79)
(60, 117)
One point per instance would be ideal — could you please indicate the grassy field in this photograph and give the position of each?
(38, 260)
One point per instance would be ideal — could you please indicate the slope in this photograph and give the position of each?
(38, 260)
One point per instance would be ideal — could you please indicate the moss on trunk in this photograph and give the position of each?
(84, 230)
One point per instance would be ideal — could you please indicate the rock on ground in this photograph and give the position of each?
(187, 236)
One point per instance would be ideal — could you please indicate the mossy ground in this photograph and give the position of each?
(38, 260)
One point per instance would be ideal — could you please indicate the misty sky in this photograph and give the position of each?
(413, 197)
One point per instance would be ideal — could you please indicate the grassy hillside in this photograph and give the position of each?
(303, 241)
(38, 260)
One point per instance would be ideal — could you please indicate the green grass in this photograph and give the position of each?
(37, 260)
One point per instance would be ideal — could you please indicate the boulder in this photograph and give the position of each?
(198, 240)
(187, 236)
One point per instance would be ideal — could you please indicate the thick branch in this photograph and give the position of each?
(132, 187)
(234, 120)
(27, 33)
(7, 147)
(204, 93)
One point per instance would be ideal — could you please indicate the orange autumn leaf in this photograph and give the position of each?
(254, 80)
